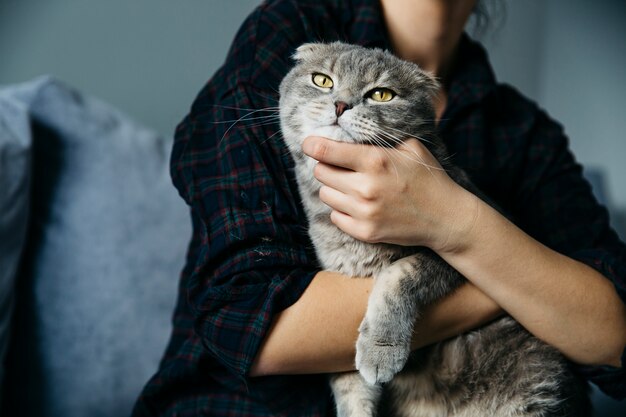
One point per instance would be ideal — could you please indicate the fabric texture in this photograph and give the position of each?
(250, 256)
(106, 244)
(15, 158)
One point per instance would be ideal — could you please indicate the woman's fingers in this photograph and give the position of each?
(340, 179)
(337, 200)
(350, 156)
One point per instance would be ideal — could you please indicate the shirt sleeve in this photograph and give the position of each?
(555, 205)
(230, 164)
(254, 257)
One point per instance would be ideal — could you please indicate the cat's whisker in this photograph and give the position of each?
(246, 117)
(365, 126)
(382, 139)
(267, 97)
(417, 155)
(373, 127)
(375, 140)
(270, 137)
(406, 154)
(408, 135)
(448, 157)
(275, 109)
(259, 124)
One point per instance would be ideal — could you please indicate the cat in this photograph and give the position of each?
(355, 94)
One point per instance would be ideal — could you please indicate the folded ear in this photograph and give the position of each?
(428, 82)
(431, 83)
(307, 50)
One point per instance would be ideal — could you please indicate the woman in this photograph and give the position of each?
(257, 322)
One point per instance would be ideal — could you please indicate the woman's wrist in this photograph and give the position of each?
(456, 232)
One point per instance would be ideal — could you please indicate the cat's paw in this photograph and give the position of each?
(379, 359)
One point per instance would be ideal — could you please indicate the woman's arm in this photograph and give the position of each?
(318, 333)
(560, 300)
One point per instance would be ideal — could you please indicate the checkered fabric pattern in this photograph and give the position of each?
(250, 257)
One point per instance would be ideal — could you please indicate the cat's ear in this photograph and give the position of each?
(430, 84)
(306, 51)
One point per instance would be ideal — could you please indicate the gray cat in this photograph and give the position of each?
(354, 94)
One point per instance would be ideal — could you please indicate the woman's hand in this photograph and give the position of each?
(399, 195)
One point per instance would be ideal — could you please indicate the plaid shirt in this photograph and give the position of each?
(250, 256)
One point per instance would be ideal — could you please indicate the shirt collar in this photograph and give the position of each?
(471, 78)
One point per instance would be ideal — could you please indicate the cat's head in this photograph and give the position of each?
(354, 94)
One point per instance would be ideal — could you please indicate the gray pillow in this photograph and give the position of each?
(14, 202)
(107, 242)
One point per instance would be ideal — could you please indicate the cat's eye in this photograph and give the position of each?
(322, 80)
(381, 94)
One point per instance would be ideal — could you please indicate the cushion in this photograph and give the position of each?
(14, 203)
(101, 268)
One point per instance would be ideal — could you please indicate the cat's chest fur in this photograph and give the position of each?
(336, 250)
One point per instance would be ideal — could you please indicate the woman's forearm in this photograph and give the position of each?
(466, 309)
(318, 333)
(560, 300)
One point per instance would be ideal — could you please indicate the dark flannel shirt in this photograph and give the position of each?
(250, 256)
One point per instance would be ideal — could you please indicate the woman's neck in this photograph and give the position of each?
(426, 32)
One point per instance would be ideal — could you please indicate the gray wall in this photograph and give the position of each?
(570, 56)
(147, 57)
(150, 57)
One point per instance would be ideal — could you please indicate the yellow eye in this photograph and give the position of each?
(382, 94)
(322, 80)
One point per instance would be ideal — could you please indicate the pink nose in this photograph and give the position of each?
(340, 107)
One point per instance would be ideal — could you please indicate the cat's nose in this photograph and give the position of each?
(340, 107)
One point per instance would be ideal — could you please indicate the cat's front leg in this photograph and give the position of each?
(400, 293)
(353, 396)
(385, 333)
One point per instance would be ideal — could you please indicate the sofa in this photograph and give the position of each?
(92, 240)
(96, 238)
